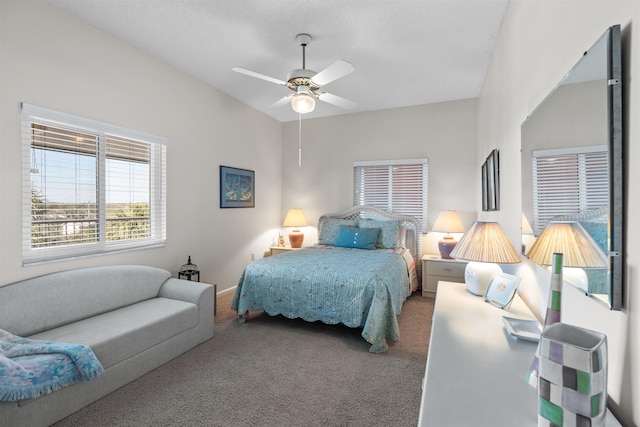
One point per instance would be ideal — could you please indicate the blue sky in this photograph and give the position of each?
(70, 178)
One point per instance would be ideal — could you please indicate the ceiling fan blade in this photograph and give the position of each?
(337, 100)
(259, 76)
(333, 72)
(282, 101)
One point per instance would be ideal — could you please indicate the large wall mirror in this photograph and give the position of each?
(572, 165)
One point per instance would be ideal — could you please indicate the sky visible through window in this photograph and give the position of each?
(126, 182)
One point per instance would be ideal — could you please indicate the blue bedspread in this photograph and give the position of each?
(355, 287)
(29, 368)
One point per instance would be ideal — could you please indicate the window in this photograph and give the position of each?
(89, 187)
(399, 186)
(567, 181)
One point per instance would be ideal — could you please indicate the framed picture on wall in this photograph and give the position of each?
(237, 188)
(491, 182)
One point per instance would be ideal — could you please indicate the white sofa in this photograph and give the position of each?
(134, 318)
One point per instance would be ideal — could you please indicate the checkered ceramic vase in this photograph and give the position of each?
(572, 382)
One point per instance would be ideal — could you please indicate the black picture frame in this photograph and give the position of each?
(485, 182)
(237, 188)
(491, 182)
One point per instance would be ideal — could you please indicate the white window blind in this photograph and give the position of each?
(399, 186)
(89, 187)
(568, 181)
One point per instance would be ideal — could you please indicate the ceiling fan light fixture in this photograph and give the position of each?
(306, 83)
(302, 102)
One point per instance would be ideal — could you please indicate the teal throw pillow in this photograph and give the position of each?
(360, 238)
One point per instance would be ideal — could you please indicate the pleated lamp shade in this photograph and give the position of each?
(570, 239)
(485, 241)
(485, 245)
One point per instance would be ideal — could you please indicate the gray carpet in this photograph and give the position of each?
(273, 371)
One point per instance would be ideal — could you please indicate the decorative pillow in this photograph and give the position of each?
(402, 237)
(355, 237)
(330, 228)
(389, 232)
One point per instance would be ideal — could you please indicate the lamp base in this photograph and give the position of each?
(296, 238)
(445, 246)
(577, 277)
(477, 276)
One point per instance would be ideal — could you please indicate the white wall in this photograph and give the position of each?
(445, 133)
(54, 60)
(539, 43)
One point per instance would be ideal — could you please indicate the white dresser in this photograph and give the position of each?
(476, 373)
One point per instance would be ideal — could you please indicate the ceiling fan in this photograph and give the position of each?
(306, 84)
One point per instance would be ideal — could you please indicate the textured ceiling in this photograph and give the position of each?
(405, 52)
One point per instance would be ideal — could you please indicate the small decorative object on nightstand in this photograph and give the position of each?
(447, 222)
(189, 270)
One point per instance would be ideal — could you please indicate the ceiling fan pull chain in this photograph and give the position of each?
(299, 139)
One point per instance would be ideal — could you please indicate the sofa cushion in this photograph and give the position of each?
(56, 299)
(119, 334)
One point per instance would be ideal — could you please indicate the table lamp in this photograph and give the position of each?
(295, 218)
(485, 245)
(447, 222)
(577, 250)
(570, 239)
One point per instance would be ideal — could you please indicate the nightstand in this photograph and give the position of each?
(435, 269)
(275, 250)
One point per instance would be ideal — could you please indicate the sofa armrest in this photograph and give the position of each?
(198, 293)
(184, 290)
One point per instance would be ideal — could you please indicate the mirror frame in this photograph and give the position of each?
(616, 196)
(616, 160)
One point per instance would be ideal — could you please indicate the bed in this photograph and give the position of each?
(359, 274)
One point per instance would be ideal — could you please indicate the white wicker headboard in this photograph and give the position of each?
(601, 213)
(413, 239)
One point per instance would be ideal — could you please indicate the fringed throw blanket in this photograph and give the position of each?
(29, 368)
